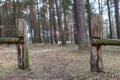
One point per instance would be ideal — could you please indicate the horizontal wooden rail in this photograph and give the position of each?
(11, 40)
(105, 42)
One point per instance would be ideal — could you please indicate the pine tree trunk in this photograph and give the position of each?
(75, 26)
(39, 28)
(109, 15)
(60, 22)
(55, 26)
(51, 21)
(80, 23)
(43, 22)
(89, 17)
(33, 24)
(18, 9)
(66, 34)
(116, 2)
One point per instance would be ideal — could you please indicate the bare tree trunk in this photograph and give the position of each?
(72, 26)
(14, 12)
(75, 26)
(51, 21)
(60, 22)
(99, 6)
(89, 17)
(66, 30)
(39, 28)
(114, 30)
(108, 5)
(80, 21)
(18, 8)
(116, 2)
(43, 22)
(55, 26)
(33, 23)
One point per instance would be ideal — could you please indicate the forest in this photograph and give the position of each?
(59, 39)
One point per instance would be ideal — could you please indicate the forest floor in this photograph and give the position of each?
(55, 62)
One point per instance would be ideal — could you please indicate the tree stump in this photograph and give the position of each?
(22, 50)
(96, 32)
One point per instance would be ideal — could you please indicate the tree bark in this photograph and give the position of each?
(60, 22)
(75, 26)
(34, 27)
(55, 26)
(89, 17)
(39, 28)
(80, 23)
(109, 15)
(51, 21)
(116, 2)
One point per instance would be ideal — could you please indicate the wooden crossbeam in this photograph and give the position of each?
(105, 42)
(11, 40)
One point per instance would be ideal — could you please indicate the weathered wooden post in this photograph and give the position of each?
(96, 33)
(23, 55)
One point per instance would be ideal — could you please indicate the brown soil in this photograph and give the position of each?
(48, 62)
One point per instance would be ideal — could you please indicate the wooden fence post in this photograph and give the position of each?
(96, 32)
(23, 55)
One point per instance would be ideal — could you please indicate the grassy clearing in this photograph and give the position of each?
(48, 62)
